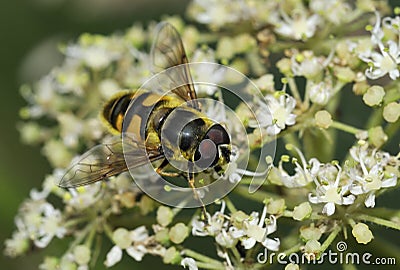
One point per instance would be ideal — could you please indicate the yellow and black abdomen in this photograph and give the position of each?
(140, 113)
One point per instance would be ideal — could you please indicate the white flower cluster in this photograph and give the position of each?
(370, 170)
(313, 47)
(294, 20)
(228, 230)
(384, 55)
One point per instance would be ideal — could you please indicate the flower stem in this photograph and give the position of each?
(380, 221)
(79, 238)
(230, 205)
(391, 129)
(293, 89)
(345, 127)
(203, 265)
(293, 249)
(258, 196)
(330, 239)
(203, 258)
(92, 233)
(237, 255)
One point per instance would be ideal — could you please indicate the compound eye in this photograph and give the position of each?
(218, 135)
(207, 149)
(206, 154)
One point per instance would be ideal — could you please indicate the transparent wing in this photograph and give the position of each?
(105, 160)
(168, 51)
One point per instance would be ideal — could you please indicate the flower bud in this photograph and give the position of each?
(391, 112)
(323, 119)
(312, 247)
(344, 74)
(276, 207)
(374, 95)
(162, 236)
(164, 216)
(82, 254)
(362, 233)
(121, 238)
(172, 256)
(302, 211)
(310, 233)
(292, 266)
(377, 136)
(178, 233)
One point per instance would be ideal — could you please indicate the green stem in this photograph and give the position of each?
(339, 85)
(236, 254)
(287, 213)
(291, 138)
(379, 221)
(96, 251)
(200, 257)
(108, 230)
(375, 119)
(330, 239)
(257, 196)
(293, 249)
(391, 130)
(345, 127)
(203, 265)
(80, 236)
(76, 221)
(92, 233)
(230, 205)
(293, 89)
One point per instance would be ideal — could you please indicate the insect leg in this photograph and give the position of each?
(190, 176)
(160, 169)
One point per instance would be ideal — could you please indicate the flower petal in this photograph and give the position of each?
(113, 256)
(370, 200)
(329, 209)
(191, 263)
(136, 252)
(271, 244)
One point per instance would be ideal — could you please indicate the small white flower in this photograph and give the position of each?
(253, 231)
(329, 190)
(387, 58)
(335, 11)
(368, 181)
(214, 223)
(83, 197)
(96, 57)
(304, 172)
(133, 242)
(41, 222)
(212, 74)
(225, 239)
(51, 225)
(190, 263)
(299, 27)
(275, 113)
(384, 62)
(113, 256)
(320, 93)
(221, 13)
(307, 64)
(70, 129)
(17, 245)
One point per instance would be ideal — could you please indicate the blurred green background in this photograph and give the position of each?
(30, 32)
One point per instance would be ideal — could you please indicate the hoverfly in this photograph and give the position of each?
(200, 140)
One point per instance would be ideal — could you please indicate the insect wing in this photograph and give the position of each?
(103, 161)
(168, 51)
(100, 162)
